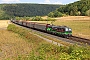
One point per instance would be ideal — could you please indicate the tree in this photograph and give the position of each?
(71, 13)
(76, 8)
(57, 14)
(51, 14)
(88, 12)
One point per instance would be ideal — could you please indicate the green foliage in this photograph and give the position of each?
(7, 11)
(51, 14)
(23, 18)
(55, 14)
(76, 8)
(3, 15)
(88, 12)
(51, 52)
(37, 18)
(22, 10)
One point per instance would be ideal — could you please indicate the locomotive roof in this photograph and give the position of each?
(59, 26)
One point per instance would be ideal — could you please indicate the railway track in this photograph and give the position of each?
(81, 40)
(72, 40)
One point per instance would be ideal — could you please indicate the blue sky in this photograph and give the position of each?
(39, 1)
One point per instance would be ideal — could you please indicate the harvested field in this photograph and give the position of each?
(84, 18)
(4, 24)
(81, 18)
(11, 45)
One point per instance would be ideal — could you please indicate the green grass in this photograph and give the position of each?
(42, 50)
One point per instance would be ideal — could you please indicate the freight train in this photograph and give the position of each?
(62, 31)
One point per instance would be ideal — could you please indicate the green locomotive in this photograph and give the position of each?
(63, 31)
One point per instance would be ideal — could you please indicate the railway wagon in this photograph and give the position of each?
(24, 23)
(16, 21)
(20, 22)
(31, 24)
(13, 21)
(28, 24)
(40, 26)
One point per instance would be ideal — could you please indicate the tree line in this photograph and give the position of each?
(28, 10)
(78, 8)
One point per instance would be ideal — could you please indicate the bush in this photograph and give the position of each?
(55, 14)
(37, 18)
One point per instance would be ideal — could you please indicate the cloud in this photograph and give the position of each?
(9, 1)
(47, 1)
(57, 3)
(51, 2)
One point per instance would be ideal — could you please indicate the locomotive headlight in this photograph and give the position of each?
(70, 29)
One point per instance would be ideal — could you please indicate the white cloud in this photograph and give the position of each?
(51, 2)
(9, 1)
(57, 3)
(47, 1)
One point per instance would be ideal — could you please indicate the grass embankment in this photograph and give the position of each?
(26, 46)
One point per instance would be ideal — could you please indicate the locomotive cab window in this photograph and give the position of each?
(60, 29)
(66, 29)
(54, 28)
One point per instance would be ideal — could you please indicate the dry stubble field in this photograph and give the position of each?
(4, 24)
(11, 45)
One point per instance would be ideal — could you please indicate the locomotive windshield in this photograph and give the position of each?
(68, 29)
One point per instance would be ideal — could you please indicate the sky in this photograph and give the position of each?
(39, 1)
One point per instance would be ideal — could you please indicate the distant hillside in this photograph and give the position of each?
(21, 10)
(78, 8)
